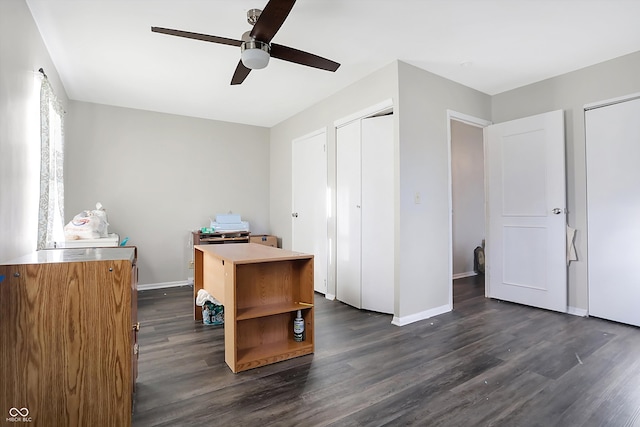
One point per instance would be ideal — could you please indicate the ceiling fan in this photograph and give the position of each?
(255, 45)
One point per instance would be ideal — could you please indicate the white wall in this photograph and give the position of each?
(467, 179)
(22, 53)
(570, 92)
(160, 176)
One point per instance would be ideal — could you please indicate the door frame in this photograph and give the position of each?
(476, 122)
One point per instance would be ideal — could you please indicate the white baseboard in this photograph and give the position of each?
(149, 286)
(577, 311)
(401, 321)
(463, 275)
(330, 297)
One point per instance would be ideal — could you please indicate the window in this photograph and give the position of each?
(51, 210)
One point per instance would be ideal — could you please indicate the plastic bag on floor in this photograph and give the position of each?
(212, 314)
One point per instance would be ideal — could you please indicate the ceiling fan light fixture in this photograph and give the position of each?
(255, 54)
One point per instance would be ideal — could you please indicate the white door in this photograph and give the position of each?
(309, 213)
(526, 239)
(613, 211)
(378, 283)
(348, 214)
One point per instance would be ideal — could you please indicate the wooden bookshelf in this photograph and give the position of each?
(268, 310)
(261, 288)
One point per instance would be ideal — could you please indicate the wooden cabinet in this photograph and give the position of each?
(68, 336)
(261, 288)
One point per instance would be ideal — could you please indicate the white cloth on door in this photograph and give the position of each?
(571, 247)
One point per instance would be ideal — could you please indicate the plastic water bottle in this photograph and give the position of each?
(298, 328)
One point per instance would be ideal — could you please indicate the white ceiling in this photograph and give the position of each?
(106, 53)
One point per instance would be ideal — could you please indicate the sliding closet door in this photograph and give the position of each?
(365, 214)
(348, 214)
(613, 209)
(377, 214)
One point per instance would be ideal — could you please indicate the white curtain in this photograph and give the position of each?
(51, 215)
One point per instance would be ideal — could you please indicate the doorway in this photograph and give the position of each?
(467, 205)
(309, 202)
(525, 209)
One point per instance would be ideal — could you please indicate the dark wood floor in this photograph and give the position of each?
(485, 363)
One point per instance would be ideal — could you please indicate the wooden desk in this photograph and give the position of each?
(261, 288)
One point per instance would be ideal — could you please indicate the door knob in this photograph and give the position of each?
(557, 211)
(295, 214)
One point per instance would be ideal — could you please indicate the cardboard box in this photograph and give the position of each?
(264, 239)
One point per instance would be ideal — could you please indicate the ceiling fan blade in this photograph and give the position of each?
(241, 73)
(271, 19)
(197, 36)
(304, 58)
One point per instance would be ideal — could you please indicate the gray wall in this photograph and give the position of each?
(371, 90)
(22, 53)
(421, 231)
(160, 176)
(467, 185)
(570, 92)
(423, 259)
